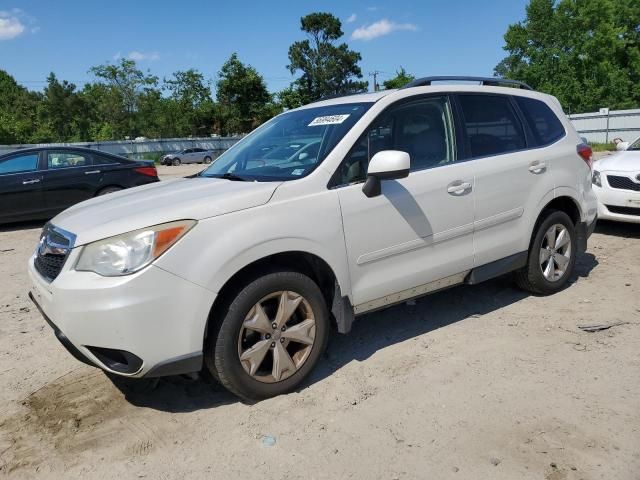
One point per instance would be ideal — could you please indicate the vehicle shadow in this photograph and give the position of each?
(370, 333)
(175, 394)
(619, 229)
(378, 330)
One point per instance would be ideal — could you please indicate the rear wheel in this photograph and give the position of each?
(552, 255)
(106, 190)
(175, 162)
(207, 160)
(271, 336)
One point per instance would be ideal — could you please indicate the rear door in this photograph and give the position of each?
(188, 156)
(198, 155)
(511, 176)
(21, 187)
(70, 177)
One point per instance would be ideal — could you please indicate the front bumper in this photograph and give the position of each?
(626, 200)
(151, 323)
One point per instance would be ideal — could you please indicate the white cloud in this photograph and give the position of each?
(379, 29)
(142, 56)
(373, 9)
(10, 25)
(117, 56)
(352, 18)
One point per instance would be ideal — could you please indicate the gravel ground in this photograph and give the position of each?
(477, 382)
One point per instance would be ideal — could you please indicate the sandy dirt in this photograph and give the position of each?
(482, 382)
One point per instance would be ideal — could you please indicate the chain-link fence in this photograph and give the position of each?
(143, 148)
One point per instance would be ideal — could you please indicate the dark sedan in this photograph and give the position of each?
(38, 183)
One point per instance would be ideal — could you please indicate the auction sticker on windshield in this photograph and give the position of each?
(329, 120)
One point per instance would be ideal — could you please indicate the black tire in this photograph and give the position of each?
(107, 190)
(531, 277)
(176, 162)
(221, 349)
(207, 160)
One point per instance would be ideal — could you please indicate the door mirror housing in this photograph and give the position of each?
(622, 146)
(385, 165)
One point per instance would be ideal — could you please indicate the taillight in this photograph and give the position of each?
(148, 171)
(586, 153)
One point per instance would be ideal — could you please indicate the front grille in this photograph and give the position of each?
(623, 183)
(623, 210)
(49, 266)
(53, 250)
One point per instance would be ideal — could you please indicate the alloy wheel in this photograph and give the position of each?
(277, 336)
(555, 252)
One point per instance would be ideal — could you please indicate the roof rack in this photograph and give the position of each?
(488, 81)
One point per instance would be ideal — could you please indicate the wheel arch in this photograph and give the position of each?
(310, 264)
(564, 203)
(111, 185)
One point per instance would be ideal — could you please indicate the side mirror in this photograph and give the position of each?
(385, 165)
(622, 146)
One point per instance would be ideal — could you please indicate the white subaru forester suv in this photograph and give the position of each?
(326, 212)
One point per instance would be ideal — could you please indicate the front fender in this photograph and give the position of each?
(217, 248)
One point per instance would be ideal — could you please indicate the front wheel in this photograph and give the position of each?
(271, 336)
(552, 255)
(175, 162)
(207, 160)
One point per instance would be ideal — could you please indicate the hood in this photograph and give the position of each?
(627, 161)
(184, 198)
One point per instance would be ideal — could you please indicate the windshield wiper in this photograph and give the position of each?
(233, 177)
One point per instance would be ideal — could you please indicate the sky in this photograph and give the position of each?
(67, 37)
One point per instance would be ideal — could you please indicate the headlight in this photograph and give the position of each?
(595, 179)
(127, 253)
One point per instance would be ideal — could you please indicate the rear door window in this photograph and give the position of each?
(57, 160)
(491, 125)
(544, 124)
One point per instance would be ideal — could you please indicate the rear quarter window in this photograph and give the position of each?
(544, 124)
(105, 160)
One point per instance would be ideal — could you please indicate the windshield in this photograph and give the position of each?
(288, 146)
(635, 145)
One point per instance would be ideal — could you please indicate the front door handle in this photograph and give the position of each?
(537, 167)
(458, 187)
(91, 172)
(31, 182)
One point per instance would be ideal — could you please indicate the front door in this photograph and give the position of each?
(416, 236)
(20, 188)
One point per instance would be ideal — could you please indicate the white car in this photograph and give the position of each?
(324, 213)
(616, 181)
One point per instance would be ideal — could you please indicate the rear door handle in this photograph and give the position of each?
(91, 172)
(537, 167)
(458, 187)
(31, 182)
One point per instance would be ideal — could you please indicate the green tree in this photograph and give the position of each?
(61, 113)
(190, 105)
(327, 68)
(243, 99)
(585, 52)
(18, 108)
(399, 81)
(126, 87)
